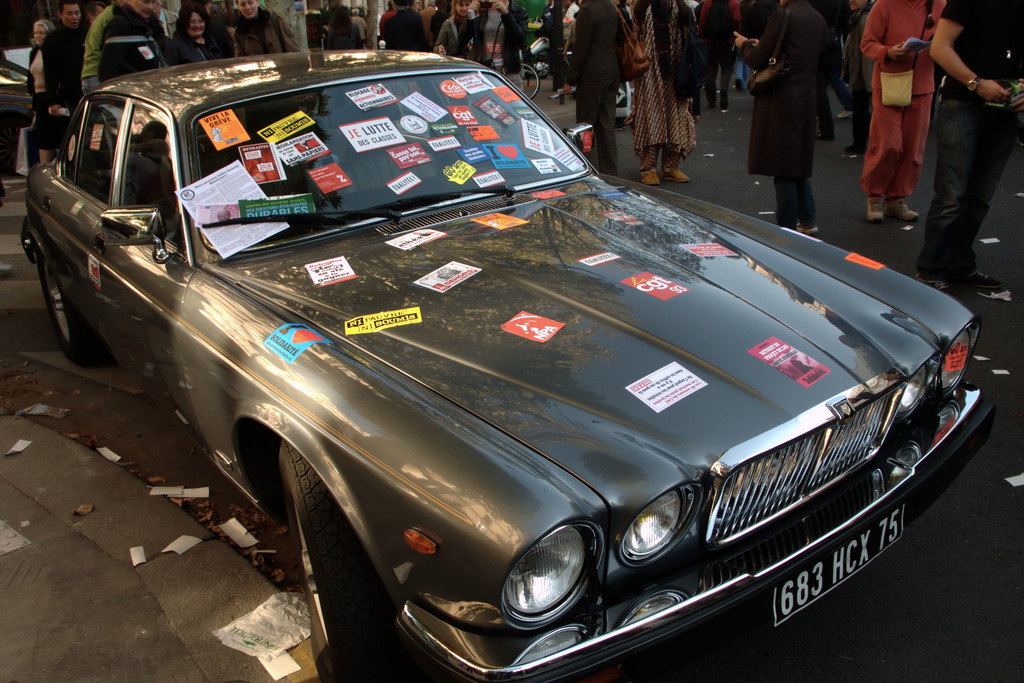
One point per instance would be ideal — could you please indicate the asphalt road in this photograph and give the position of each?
(944, 603)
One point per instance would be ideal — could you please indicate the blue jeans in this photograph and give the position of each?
(742, 71)
(794, 202)
(835, 79)
(974, 144)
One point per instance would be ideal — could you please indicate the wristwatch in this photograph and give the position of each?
(972, 84)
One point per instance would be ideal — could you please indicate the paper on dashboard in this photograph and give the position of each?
(227, 186)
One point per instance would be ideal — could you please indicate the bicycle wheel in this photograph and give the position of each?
(531, 83)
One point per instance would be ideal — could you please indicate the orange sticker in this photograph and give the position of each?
(453, 90)
(864, 261)
(224, 129)
(507, 94)
(956, 358)
(483, 133)
(547, 194)
(499, 221)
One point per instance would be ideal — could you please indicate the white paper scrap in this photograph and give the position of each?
(1016, 481)
(138, 554)
(18, 447)
(280, 623)
(1000, 372)
(1019, 194)
(765, 213)
(709, 155)
(182, 544)
(281, 666)
(989, 240)
(108, 454)
(238, 533)
(981, 358)
(197, 492)
(907, 227)
(1002, 296)
(166, 490)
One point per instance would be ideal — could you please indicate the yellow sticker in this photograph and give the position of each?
(286, 127)
(499, 220)
(459, 172)
(375, 322)
(224, 129)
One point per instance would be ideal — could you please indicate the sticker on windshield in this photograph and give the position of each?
(372, 134)
(459, 172)
(488, 179)
(374, 322)
(495, 111)
(453, 90)
(783, 357)
(444, 128)
(474, 154)
(481, 133)
(447, 276)
(655, 286)
(421, 105)
(414, 125)
(499, 221)
(507, 156)
(708, 250)
(545, 166)
(330, 271)
(566, 156)
(622, 217)
(290, 341)
(372, 97)
(408, 156)
(329, 178)
(538, 138)
(474, 83)
(94, 270)
(666, 386)
(404, 183)
(276, 206)
(864, 261)
(506, 94)
(286, 127)
(598, 259)
(261, 163)
(415, 238)
(306, 147)
(96, 137)
(534, 327)
(547, 194)
(445, 143)
(462, 115)
(524, 113)
(224, 129)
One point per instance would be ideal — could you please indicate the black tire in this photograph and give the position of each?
(77, 340)
(10, 128)
(353, 619)
(531, 83)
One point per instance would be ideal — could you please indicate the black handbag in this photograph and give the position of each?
(763, 81)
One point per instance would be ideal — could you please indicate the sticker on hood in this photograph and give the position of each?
(784, 358)
(654, 285)
(414, 239)
(666, 386)
(622, 217)
(290, 341)
(499, 221)
(534, 327)
(547, 194)
(598, 259)
(447, 276)
(864, 261)
(330, 271)
(708, 250)
(374, 322)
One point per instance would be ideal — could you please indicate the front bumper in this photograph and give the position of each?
(449, 653)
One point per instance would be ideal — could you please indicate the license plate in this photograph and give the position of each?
(821, 576)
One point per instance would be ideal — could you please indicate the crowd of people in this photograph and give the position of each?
(878, 56)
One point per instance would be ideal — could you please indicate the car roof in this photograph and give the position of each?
(197, 87)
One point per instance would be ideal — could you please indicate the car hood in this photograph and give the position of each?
(586, 396)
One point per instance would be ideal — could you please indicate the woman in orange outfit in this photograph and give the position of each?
(892, 164)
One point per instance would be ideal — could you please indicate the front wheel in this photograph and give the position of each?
(353, 618)
(531, 82)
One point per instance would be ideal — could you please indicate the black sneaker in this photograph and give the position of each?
(940, 285)
(855, 149)
(979, 280)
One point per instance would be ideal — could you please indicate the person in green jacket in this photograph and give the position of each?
(93, 48)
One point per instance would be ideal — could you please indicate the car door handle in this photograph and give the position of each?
(46, 203)
(100, 242)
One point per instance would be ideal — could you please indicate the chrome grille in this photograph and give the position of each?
(775, 482)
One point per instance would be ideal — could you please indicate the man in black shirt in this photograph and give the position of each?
(980, 44)
(63, 52)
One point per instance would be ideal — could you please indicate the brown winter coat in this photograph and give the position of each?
(263, 35)
(785, 121)
(857, 66)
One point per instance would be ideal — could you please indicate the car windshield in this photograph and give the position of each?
(359, 148)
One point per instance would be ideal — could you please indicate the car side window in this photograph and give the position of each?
(66, 157)
(97, 147)
(148, 177)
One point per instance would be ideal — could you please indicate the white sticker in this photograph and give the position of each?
(372, 134)
(441, 144)
(146, 52)
(138, 555)
(404, 183)
(666, 386)
(598, 259)
(330, 271)
(414, 125)
(566, 156)
(545, 166)
(538, 138)
(474, 83)
(414, 239)
(94, 270)
(447, 276)
(371, 97)
(421, 105)
(488, 179)
(299, 149)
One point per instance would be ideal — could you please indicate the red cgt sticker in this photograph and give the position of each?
(956, 359)
(532, 327)
(654, 285)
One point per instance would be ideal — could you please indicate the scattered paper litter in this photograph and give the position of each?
(182, 544)
(555, 96)
(280, 623)
(709, 155)
(166, 490)
(108, 454)
(757, 182)
(138, 555)
(1000, 372)
(990, 240)
(18, 447)
(908, 227)
(981, 358)
(238, 533)
(281, 666)
(1016, 481)
(46, 411)
(198, 492)
(765, 213)
(1002, 296)
(1019, 194)
(263, 552)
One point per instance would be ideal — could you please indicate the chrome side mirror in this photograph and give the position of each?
(582, 135)
(137, 225)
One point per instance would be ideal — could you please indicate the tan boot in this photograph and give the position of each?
(897, 208)
(650, 178)
(875, 214)
(675, 175)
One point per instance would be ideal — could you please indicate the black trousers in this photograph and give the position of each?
(826, 125)
(861, 117)
(595, 104)
(719, 57)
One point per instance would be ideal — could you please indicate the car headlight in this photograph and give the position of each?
(954, 360)
(915, 391)
(547, 574)
(655, 528)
